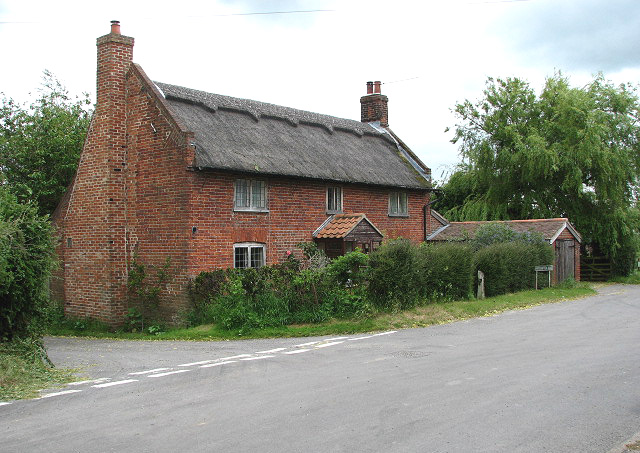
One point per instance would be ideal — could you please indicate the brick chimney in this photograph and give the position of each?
(95, 271)
(115, 54)
(373, 106)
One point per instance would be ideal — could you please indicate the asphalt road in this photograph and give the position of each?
(555, 378)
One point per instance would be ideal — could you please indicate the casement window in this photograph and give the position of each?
(248, 255)
(334, 200)
(250, 195)
(398, 204)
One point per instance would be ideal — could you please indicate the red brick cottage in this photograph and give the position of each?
(213, 181)
(560, 233)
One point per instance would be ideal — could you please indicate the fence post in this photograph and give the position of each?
(480, 285)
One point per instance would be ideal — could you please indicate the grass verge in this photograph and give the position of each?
(421, 316)
(24, 371)
(633, 279)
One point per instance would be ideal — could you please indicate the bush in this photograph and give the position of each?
(393, 275)
(445, 270)
(509, 266)
(26, 261)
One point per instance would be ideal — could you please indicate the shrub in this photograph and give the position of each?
(445, 270)
(509, 266)
(26, 261)
(393, 275)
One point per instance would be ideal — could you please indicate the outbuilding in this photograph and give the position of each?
(560, 233)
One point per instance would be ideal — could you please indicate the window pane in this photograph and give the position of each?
(258, 196)
(334, 199)
(241, 260)
(393, 203)
(242, 193)
(257, 256)
(398, 203)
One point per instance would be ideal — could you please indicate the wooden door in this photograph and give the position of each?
(565, 259)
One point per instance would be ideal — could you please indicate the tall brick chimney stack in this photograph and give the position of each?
(373, 106)
(95, 270)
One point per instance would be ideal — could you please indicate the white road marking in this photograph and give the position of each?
(4, 404)
(297, 351)
(148, 371)
(258, 358)
(168, 373)
(359, 338)
(271, 351)
(90, 381)
(198, 363)
(324, 345)
(65, 392)
(218, 364)
(109, 384)
(384, 333)
(336, 338)
(235, 357)
(307, 344)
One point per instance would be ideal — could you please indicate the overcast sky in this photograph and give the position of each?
(429, 54)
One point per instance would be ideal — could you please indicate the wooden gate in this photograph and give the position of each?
(565, 259)
(595, 268)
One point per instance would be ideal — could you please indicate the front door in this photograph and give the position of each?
(565, 259)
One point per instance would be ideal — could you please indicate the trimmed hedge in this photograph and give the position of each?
(394, 275)
(445, 270)
(398, 275)
(509, 266)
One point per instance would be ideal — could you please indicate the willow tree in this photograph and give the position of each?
(566, 152)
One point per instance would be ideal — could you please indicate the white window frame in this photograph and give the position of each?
(338, 199)
(395, 205)
(252, 185)
(249, 246)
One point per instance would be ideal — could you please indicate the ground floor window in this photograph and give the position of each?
(248, 254)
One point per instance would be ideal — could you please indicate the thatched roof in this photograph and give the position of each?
(248, 136)
(549, 228)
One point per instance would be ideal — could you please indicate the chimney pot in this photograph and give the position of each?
(115, 27)
(369, 87)
(376, 88)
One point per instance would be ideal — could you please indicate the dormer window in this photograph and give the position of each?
(250, 195)
(398, 206)
(334, 200)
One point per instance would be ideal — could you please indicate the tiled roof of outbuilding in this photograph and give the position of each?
(255, 137)
(549, 228)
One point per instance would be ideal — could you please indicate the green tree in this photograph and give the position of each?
(40, 144)
(567, 152)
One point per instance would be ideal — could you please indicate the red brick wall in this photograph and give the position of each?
(94, 223)
(157, 192)
(296, 209)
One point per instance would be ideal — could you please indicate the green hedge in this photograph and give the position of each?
(398, 275)
(394, 275)
(445, 270)
(509, 266)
